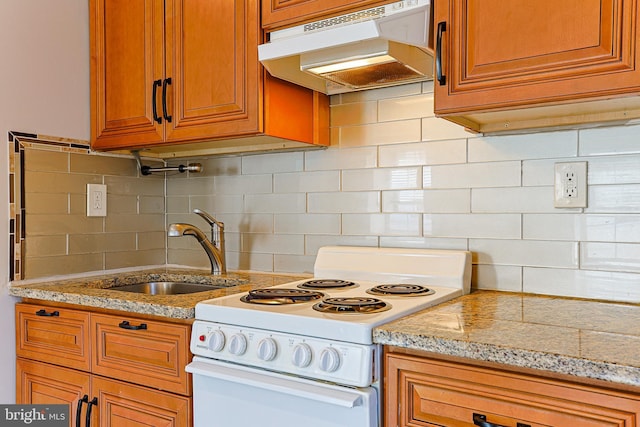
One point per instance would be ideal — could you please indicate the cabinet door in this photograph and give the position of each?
(499, 55)
(40, 383)
(280, 13)
(212, 60)
(124, 404)
(56, 335)
(434, 393)
(141, 351)
(127, 71)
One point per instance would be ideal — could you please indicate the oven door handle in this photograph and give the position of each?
(299, 387)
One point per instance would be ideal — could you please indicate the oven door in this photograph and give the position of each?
(231, 395)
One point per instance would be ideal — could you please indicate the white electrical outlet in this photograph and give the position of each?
(96, 200)
(570, 185)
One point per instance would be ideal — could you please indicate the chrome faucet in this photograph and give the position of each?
(214, 247)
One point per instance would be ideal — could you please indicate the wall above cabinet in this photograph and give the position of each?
(174, 74)
(521, 65)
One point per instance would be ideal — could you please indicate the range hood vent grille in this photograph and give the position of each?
(377, 47)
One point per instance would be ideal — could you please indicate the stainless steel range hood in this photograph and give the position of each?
(377, 47)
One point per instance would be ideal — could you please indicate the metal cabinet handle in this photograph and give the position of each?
(126, 325)
(85, 399)
(156, 85)
(442, 79)
(43, 312)
(167, 82)
(481, 421)
(93, 402)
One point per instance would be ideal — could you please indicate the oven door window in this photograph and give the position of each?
(237, 396)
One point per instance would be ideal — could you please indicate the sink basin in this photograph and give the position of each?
(165, 288)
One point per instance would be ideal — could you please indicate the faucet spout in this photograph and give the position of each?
(215, 253)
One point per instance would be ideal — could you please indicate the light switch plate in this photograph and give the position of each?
(96, 200)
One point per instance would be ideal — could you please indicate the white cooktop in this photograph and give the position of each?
(447, 273)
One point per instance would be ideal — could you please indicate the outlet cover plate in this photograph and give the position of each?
(570, 189)
(96, 200)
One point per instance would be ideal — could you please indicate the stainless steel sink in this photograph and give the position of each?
(165, 288)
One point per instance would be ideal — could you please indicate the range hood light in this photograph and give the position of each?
(348, 65)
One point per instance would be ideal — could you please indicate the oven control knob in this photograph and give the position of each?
(237, 344)
(216, 340)
(329, 359)
(301, 356)
(267, 349)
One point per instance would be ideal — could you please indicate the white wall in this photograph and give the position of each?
(44, 89)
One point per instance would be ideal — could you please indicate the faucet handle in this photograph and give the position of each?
(207, 217)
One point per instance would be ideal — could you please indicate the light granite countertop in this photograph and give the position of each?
(584, 338)
(97, 290)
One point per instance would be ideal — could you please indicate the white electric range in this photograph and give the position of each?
(302, 353)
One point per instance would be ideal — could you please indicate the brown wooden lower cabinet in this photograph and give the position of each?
(113, 370)
(420, 391)
(116, 403)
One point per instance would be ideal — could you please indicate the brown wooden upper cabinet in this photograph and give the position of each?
(167, 72)
(516, 64)
(284, 13)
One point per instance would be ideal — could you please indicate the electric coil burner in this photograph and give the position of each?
(351, 305)
(280, 296)
(400, 290)
(327, 284)
(303, 353)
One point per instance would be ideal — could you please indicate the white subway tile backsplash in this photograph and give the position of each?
(354, 113)
(523, 146)
(344, 202)
(275, 203)
(341, 158)
(498, 277)
(397, 176)
(607, 285)
(316, 241)
(407, 107)
(472, 175)
(610, 140)
(613, 198)
(424, 153)
(614, 170)
(591, 227)
(380, 133)
(491, 226)
(423, 242)
(382, 224)
(434, 129)
(243, 184)
(307, 223)
(305, 182)
(427, 201)
(272, 163)
(532, 253)
(273, 243)
(381, 179)
(610, 256)
(512, 200)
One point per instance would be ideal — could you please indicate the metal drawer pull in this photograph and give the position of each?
(43, 312)
(166, 82)
(94, 401)
(156, 85)
(126, 325)
(85, 399)
(481, 420)
(442, 79)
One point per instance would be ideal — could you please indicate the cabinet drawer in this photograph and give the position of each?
(442, 393)
(55, 335)
(145, 352)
